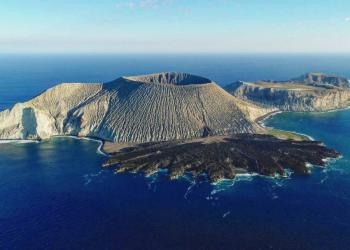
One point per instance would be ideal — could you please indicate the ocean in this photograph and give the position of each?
(55, 195)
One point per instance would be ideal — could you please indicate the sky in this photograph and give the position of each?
(175, 26)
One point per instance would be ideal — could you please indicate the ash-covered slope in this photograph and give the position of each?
(132, 109)
(310, 92)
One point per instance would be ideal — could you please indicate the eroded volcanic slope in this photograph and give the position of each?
(309, 92)
(145, 108)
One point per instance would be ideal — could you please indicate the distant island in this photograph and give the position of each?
(183, 123)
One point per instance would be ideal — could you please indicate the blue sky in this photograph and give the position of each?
(175, 26)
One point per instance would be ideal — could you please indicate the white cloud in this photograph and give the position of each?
(138, 4)
(347, 19)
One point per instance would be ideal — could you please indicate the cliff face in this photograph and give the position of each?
(294, 99)
(46, 114)
(322, 79)
(132, 109)
(311, 92)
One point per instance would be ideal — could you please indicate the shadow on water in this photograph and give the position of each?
(29, 122)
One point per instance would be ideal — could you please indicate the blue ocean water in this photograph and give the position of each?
(54, 195)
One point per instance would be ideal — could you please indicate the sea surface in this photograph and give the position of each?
(55, 195)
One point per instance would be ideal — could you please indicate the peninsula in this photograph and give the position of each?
(309, 92)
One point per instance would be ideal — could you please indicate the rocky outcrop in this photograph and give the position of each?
(146, 108)
(311, 94)
(46, 114)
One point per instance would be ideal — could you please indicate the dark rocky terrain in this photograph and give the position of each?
(222, 157)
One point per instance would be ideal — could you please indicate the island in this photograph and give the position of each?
(175, 121)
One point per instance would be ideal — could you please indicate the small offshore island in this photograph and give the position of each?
(184, 123)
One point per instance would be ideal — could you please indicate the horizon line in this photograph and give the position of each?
(172, 53)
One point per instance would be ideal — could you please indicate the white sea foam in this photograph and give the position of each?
(18, 141)
(99, 148)
(324, 178)
(152, 184)
(333, 169)
(225, 184)
(226, 214)
(189, 189)
(308, 165)
(238, 177)
(262, 121)
(154, 177)
(89, 177)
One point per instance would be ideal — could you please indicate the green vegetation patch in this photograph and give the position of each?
(287, 135)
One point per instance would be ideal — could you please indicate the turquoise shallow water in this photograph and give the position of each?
(54, 195)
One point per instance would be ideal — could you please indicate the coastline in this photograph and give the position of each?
(102, 144)
(261, 121)
(328, 111)
(18, 141)
(99, 149)
(262, 118)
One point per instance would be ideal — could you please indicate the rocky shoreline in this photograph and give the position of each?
(222, 157)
